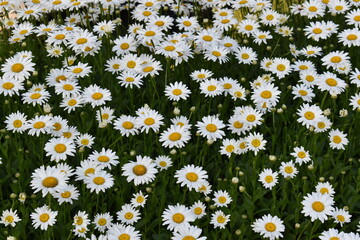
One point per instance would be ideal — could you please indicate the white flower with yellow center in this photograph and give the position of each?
(40, 124)
(317, 206)
(219, 219)
(138, 199)
(309, 115)
(9, 217)
(175, 136)
(198, 209)
(268, 178)
(330, 82)
(288, 169)
(201, 75)
(341, 216)
(210, 127)
(338, 139)
(102, 221)
(67, 194)
(255, 142)
(43, 217)
(96, 95)
(99, 181)
(142, 171)
(177, 217)
(72, 102)
(332, 234)
(10, 86)
(16, 122)
(176, 91)
(303, 91)
(79, 70)
(19, 68)
(151, 119)
(59, 148)
(335, 59)
(106, 158)
(222, 198)
(228, 147)
(301, 155)
(128, 214)
(191, 176)
(188, 233)
(269, 227)
(122, 232)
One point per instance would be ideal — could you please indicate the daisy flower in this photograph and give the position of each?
(127, 125)
(177, 91)
(9, 217)
(177, 217)
(43, 217)
(59, 148)
(128, 214)
(309, 115)
(261, 37)
(102, 221)
(151, 119)
(219, 219)
(222, 198)
(130, 79)
(269, 227)
(210, 127)
(141, 172)
(309, 78)
(341, 216)
(245, 55)
(67, 193)
(19, 68)
(228, 147)
(80, 70)
(350, 37)
(16, 122)
(331, 233)
(48, 180)
(187, 23)
(304, 92)
(268, 178)
(40, 124)
(198, 209)
(338, 139)
(353, 17)
(191, 176)
(86, 168)
(211, 87)
(181, 121)
(255, 142)
(96, 96)
(216, 53)
(301, 155)
(313, 9)
(72, 102)
(175, 136)
(10, 86)
(323, 125)
(99, 181)
(355, 102)
(113, 65)
(248, 27)
(317, 206)
(35, 97)
(335, 59)
(281, 67)
(138, 199)
(317, 31)
(330, 82)
(119, 231)
(191, 232)
(288, 169)
(201, 75)
(266, 96)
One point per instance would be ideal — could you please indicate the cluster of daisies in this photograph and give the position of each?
(169, 31)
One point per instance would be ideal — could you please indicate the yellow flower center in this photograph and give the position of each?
(102, 221)
(129, 215)
(270, 227)
(139, 170)
(335, 59)
(269, 179)
(331, 82)
(169, 48)
(266, 94)
(303, 67)
(312, 9)
(251, 118)
(211, 127)
(39, 125)
(17, 123)
(227, 86)
(303, 93)
(17, 67)
(177, 92)
(148, 69)
(178, 217)
(66, 194)
(99, 180)
(128, 125)
(124, 236)
(9, 219)
(238, 124)
(310, 52)
(97, 96)
(351, 37)
(22, 32)
(50, 182)
(44, 217)
(103, 159)
(230, 148)
(337, 139)
(198, 210)
(309, 78)
(249, 27)
(201, 76)
(89, 171)
(211, 88)
(269, 17)
(357, 18)
(339, 8)
(72, 102)
(228, 45)
(77, 70)
(189, 238)
(131, 64)
(67, 134)
(222, 199)
(245, 56)
(317, 30)
(163, 164)
(207, 38)
(321, 125)
(216, 53)
(60, 37)
(8, 85)
(149, 121)
(150, 33)
(318, 206)
(221, 219)
(81, 41)
(192, 177)
(255, 142)
(225, 21)
(341, 218)
(35, 96)
(68, 87)
(187, 24)
(281, 67)
(288, 169)
(301, 154)
(174, 136)
(146, 13)
(309, 115)
(140, 199)
(334, 238)
(60, 148)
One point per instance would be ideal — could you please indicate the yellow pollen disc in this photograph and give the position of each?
(17, 123)
(44, 217)
(250, 118)
(331, 82)
(270, 227)
(129, 79)
(238, 124)
(105, 116)
(198, 210)
(351, 37)
(39, 125)
(169, 48)
(146, 13)
(187, 23)
(78, 220)
(228, 45)
(35, 96)
(341, 218)
(85, 142)
(301, 154)
(72, 102)
(22, 32)
(128, 125)
(163, 164)
(321, 125)
(255, 142)
(303, 93)
(207, 38)
(89, 171)
(124, 236)
(339, 8)
(281, 67)
(9, 219)
(262, 36)
(249, 27)
(129, 215)
(266, 94)
(29, 11)
(227, 86)
(337, 139)
(317, 30)
(269, 17)
(8, 85)
(312, 9)
(223, 14)
(310, 52)
(211, 127)
(60, 78)
(310, 78)
(289, 169)
(77, 70)
(140, 199)
(225, 21)
(131, 64)
(174, 136)
(334, 238)
(102, 221)
(139, 170)
(149, 121)
(216, 53)
(245, 56)
(309, 115)
(303, 67)
(103, 159)
(17, 67)
(66, 194)
(201, 76)
(97, 96)
(159, 23)
(116, 66)
(192, 177)
(318, 206)
(81, 41)
(357, 18)
(335, 59)
(178, 217)
(67, 134)
(124, 46)
(60, 36)
(60, 148)
(68, 87)
(177, 92)
(221, 219)
(148, 69)
(222, 199)
(99, 180)
(269, 179)
(50, 182)
(211, 88)
(150, 33)
(148, 4)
